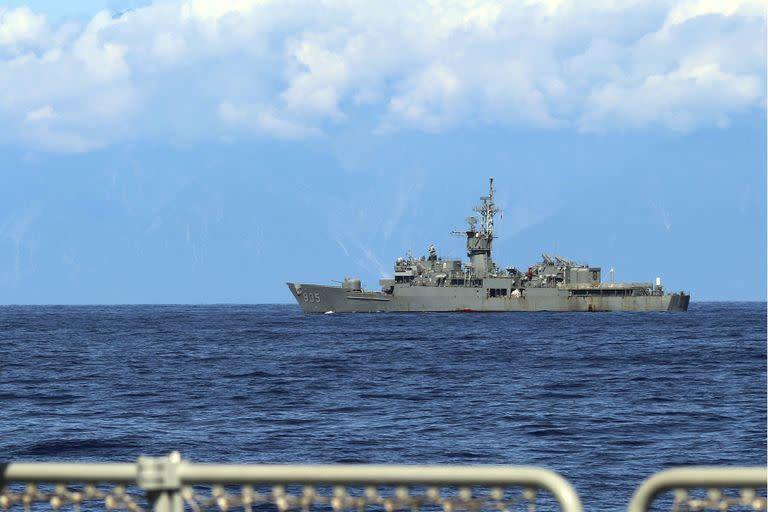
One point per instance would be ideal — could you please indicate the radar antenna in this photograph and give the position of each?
(479, 241)
(487, 209)
(469, 220)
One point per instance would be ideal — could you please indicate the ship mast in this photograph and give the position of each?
(479, 242)
(487, 209)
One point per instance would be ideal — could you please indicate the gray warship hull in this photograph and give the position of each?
(435, 284)
(315, 298)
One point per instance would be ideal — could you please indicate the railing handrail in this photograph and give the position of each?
(65, 472)
(368, 473)
(163, 477)
(696, 477)
(169, 473)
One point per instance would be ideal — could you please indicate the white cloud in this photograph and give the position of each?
(678, 100)
(167, 46)
(297, 68)
(429, 100)
(317, 88)
(685, 11)
(41, 114)
(213, 10)
(20, 25)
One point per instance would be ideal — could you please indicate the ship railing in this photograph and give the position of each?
(606, 286)
(704, 488)
(171, 484)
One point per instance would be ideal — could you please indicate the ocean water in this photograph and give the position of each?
(604, 399)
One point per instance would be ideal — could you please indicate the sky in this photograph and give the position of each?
(206, 151)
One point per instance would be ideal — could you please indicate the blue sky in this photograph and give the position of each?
(200, 151)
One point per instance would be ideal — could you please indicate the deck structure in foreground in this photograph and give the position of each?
(171, 484)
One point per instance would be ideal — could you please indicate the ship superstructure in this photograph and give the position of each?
(434, 284)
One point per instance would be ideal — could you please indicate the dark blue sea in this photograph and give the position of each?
(604, 399)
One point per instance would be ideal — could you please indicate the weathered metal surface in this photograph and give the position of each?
(433, 284)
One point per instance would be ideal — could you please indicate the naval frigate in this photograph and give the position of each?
(432, 283)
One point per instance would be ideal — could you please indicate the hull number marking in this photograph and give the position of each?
(311, 297)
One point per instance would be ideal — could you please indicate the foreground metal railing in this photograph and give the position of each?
(170, 484)
(715, 482)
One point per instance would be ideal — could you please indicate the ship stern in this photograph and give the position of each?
(679, 301)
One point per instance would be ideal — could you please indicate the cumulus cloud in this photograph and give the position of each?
(678, 100)
(685, 11)
(20, 26)
(299, 68)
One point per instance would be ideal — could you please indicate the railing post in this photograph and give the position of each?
(159, 478)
